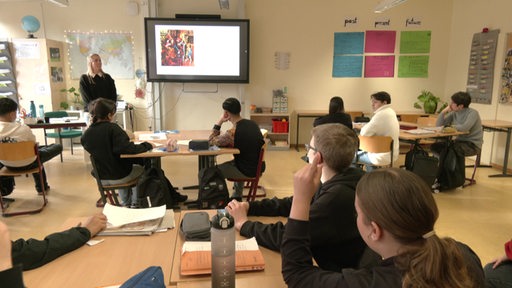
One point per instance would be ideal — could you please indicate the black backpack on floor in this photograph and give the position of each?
(452, 170)
(420, 163)
(154, 189)
(6, 185)
(213, 191)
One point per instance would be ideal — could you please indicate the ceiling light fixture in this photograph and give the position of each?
(386, 4)
(224, 4)
(60, 3)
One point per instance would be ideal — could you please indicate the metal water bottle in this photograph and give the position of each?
(223, 250)
(33, 109)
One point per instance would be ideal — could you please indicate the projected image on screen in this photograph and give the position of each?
(177, 47)
(189, 50)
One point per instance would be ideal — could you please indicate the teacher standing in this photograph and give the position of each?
(96, 83)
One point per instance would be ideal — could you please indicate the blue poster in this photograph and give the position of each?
(348, 43)
(347, 66)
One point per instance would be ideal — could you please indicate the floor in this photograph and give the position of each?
(478, 215)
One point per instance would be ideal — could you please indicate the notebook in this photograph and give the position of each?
(196, 257)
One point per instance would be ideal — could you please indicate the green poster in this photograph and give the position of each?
(413, 42)
(413, 66)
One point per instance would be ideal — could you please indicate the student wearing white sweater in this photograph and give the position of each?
(383, 123)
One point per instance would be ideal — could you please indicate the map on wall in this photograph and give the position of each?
(115, 50)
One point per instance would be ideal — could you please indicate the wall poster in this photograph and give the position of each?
(481, 66)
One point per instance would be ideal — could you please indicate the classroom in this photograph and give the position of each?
(304, 31)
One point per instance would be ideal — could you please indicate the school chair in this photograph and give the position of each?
(472, 180)
(252, 182)
(423, 122)
(64, 133)
(17, 151)
(377, 144)
(108, 192)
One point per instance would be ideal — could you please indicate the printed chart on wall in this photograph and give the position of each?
(506, 74)
(115, 50)
(481, 66)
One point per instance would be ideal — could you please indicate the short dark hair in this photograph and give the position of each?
(337, 143)
(100, 108)
(232, 105)
(7, 105)
(336, 105)
(461, 98)
(382, 96)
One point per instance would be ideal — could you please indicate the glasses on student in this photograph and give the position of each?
(309, 147)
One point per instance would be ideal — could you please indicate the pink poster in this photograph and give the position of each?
(380, 42)
(379, 66)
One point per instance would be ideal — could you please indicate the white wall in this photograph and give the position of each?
(305, 29)
(471, 17)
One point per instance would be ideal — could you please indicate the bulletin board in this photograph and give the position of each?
(506, 74)
(481, 66)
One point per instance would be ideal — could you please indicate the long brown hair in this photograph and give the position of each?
(100, 109)
(401, 203)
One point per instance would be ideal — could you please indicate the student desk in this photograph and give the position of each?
(415, 138)
(58, 126)
(206, 157)
(111, 262)
(270, 277)
(500, 126)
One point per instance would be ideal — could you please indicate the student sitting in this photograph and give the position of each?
(400, 230)
(335, 242)
(336, 114)
(106, 141)
(11, 131)
(498, 273)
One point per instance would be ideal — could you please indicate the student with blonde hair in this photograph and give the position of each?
(396, 214)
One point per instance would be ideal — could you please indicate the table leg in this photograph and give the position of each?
(297, 133)
(505, 160)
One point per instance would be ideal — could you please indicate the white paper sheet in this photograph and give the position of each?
(419, 131)
(240, 245)
(118, 216)
(154, 136)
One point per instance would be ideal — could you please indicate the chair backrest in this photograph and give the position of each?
(261, 160)
(355, 114)
(17, 151)
(377, 144)
(56, 114)
(426, 121)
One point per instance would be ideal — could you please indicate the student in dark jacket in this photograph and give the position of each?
(106, 141)
(244, 135)
(335, 242)
(336, 114)
(401, 231)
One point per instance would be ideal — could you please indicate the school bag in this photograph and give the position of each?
(213, 191)
(452, 170)
(6, 185)
(420, 163)
(154, 189)
(151, 277)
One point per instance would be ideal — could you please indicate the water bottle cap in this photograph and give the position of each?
(223, 220)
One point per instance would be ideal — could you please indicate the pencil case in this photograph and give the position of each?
(195, 226)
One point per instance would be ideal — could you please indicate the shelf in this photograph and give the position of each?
(264, 120)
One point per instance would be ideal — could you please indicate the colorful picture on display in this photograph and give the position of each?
(177, 47)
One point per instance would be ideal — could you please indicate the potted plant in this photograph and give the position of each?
(64, 105)
(75, 95)
(429, 102)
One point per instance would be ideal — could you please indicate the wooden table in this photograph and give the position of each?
(415, 138)
(58, 126)
(500, 126)
(111, 262)
(270, 277)
(206, 157)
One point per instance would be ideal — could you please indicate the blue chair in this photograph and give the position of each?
(61, 133)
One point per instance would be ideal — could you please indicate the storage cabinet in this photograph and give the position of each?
(278, 130)
(39, 65)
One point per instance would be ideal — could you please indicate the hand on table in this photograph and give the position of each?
(239, 211)
(96, 223)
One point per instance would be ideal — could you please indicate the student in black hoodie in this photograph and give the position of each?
(335, 241)
(396, 214)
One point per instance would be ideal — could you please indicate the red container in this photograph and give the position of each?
(279, 126)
